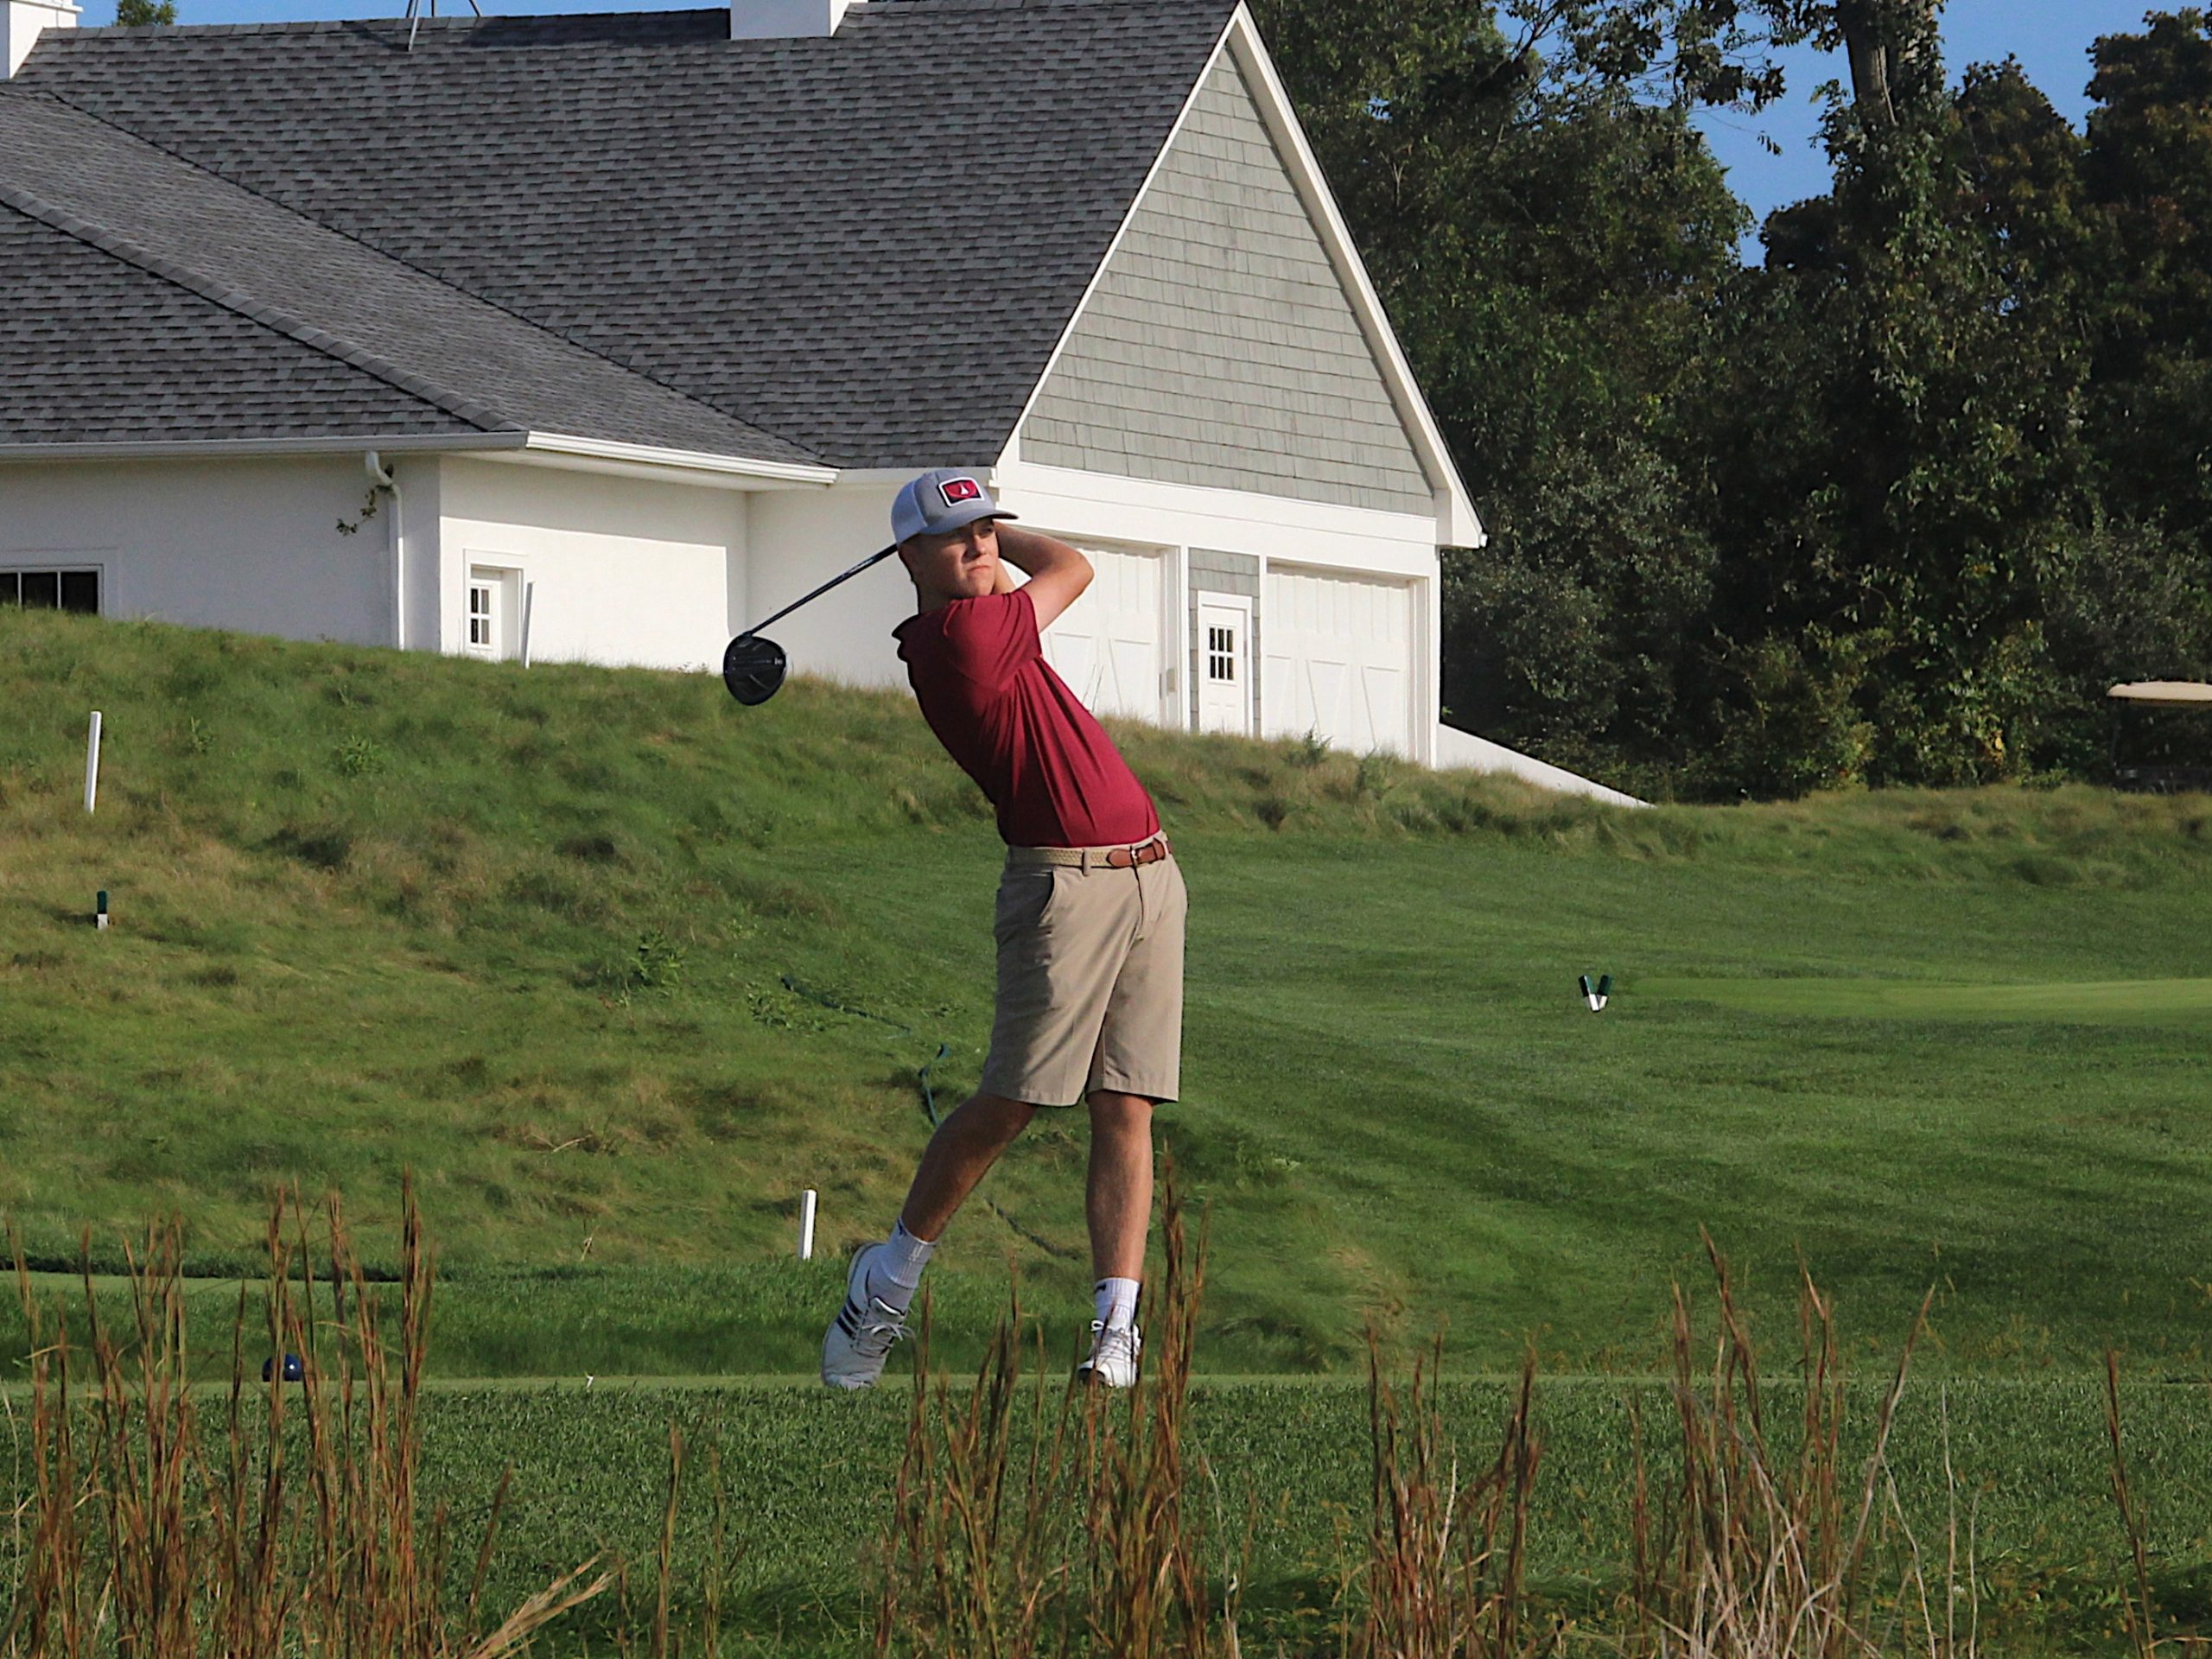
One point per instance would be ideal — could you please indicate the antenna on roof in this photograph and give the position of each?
(415, 16)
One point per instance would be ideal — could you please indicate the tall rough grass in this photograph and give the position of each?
(1068, 1532)
(1751, 1537)
(299, 1531)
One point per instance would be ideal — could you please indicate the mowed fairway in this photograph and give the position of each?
(617, 970)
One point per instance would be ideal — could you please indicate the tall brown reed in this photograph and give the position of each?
(1760, 1552)
(1444, 1576)
(1062, 1530)
(142, 1545)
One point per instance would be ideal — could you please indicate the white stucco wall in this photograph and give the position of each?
(800, 539)
(625, 571)
(252, 544)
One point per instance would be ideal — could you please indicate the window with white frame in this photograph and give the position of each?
(483, 627)
(1221, 655)
(50, 589)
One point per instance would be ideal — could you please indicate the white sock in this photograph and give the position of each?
(1116, 1302)
(894, 1277)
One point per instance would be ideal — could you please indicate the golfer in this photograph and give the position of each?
(1090, 923)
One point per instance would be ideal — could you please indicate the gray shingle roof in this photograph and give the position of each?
(868, 244)
(448, 350)
(95, 350)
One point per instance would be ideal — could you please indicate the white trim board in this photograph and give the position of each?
(1402, 545)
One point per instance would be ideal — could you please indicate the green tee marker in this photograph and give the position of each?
(99, 910)
(1596, 995)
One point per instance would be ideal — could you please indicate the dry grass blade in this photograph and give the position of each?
(540, 1609)
(2138, 1612)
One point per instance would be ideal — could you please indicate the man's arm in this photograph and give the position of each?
(1058, 572)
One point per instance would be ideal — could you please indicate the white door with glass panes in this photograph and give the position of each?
(1224, 664)
(1108, 645)
(493, 616)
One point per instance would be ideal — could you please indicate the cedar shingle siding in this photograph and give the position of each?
(1219, 347)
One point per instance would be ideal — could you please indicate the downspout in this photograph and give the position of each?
(383, 480)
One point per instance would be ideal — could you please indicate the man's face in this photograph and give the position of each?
(962, 563)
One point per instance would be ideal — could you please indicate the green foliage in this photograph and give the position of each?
(139, 14)
(1859, 516)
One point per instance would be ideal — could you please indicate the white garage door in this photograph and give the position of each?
(1108, 645)
(1339, 660)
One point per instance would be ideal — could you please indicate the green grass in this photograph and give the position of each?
(528, 933)
(2110, 1002)
(808, 1478)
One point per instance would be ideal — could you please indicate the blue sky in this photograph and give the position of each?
(2051, 37)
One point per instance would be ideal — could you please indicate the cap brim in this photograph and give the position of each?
(965, 515)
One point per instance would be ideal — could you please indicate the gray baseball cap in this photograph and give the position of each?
(940, 501)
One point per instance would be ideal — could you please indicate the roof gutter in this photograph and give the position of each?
(693, 460)
(544, 449)
(248, 449)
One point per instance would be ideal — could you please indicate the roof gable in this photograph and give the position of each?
(1219, 346)
(836, 238)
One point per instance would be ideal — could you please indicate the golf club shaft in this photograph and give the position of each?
(871, 559)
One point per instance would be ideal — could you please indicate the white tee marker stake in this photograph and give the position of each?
(92, 763)
(806, 1225)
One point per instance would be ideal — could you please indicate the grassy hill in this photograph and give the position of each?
(618, 968)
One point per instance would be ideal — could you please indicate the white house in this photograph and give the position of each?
(619, 332)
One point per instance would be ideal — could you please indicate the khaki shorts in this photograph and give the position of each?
(1091, 981)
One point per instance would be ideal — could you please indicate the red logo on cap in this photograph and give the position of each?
(956, 490)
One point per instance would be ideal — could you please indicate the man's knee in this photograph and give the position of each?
(996, 1116)
(1112, 1113)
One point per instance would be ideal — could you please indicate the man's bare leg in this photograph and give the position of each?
(960, 1154)
(1119, 1201)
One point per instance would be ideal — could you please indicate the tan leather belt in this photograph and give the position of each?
(1092, 858)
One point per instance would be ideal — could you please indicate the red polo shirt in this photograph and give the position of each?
(979, 671)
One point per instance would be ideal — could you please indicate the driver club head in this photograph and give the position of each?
(752, 668)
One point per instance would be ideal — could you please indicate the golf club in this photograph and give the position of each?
(754, 668)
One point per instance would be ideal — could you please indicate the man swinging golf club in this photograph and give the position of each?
(1090, 923)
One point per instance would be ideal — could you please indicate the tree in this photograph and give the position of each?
(139, 14)
(1546, 243)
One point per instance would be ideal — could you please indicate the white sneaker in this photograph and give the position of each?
(1114, 1351)
(858, 1339)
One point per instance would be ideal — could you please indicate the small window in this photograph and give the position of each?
(480, 617)
(52, 590)
(1221, 655)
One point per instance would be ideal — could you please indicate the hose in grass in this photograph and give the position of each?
(922, 1077)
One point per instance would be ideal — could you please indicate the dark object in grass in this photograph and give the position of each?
(754, 668)
(293, 1371)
